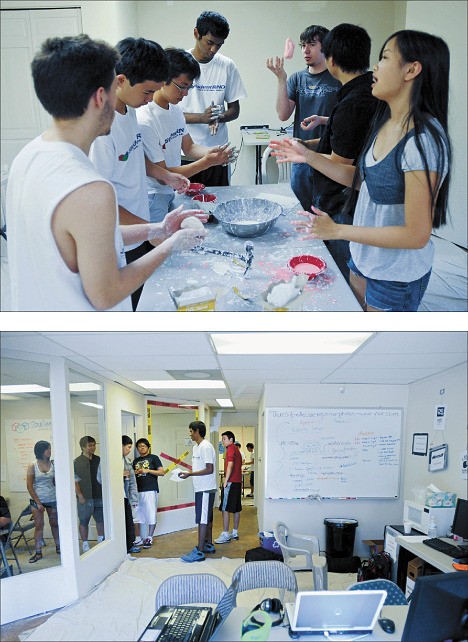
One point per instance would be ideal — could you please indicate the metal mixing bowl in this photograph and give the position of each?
(248, 216)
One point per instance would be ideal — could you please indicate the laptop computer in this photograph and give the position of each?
(335, 611)
(189, 623)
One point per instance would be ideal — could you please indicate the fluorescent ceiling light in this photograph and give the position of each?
(181, 385)
(23, 389)
(89, 403)
(288, 342)
(87, 386)
(225, 403)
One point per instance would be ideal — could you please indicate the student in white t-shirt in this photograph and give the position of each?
(119, 157)
(165, 135)
(215, 98)
(204, 484)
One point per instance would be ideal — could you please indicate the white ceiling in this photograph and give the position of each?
(386, 358)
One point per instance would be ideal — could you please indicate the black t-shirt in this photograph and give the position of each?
(345, 134)
(147, 482)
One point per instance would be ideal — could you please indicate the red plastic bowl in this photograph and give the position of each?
(307, 264)
(205, 198)
(194, 188)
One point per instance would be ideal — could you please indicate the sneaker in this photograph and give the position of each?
(194, 556)
(234, 534)
(130, 557)
(148, 542)
(224, 538)
(135, 549)
(85, 546)
(209, 548)
(138, 542)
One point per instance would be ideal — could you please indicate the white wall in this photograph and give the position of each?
(424, 396)
(418, 401)
(449, 21)
(372, 514)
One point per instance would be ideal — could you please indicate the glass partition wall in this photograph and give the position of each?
(27, 469)
(89, 464)
(28, 498)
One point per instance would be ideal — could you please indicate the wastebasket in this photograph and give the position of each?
(340, 536)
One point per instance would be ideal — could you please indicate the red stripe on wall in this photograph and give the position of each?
(175, 460)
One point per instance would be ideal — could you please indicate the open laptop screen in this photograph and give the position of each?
(337, 610)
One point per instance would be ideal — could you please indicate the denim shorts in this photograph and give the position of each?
(393, 296)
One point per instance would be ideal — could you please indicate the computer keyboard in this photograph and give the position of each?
(183, 625)
(444, 547)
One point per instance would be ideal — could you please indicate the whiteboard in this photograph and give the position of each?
(21, 436)
(332, 452)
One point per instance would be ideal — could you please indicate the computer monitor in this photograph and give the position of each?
(460, 519)
(438, 608)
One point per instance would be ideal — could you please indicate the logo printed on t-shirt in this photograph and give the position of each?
(134, 145)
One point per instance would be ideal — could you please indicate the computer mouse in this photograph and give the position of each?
(387, 625)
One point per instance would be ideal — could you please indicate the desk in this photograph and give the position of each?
(229, 631)
(272, 251)
(260, 138)
(410, 548)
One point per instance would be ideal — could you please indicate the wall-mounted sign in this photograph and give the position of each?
(438, 458)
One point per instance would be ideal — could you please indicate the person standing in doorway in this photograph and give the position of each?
(204, 484)
(88, 490)
(232, 488)
(218, 86)
(147, 469)
(130, 495)
(250, 448)
(312, 90)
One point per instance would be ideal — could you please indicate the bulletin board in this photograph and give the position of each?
(21, 435)
(332, 452)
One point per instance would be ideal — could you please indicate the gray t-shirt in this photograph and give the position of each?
(313, 94)
(381, 203)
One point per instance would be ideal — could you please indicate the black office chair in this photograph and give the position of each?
(6, 569)
(21, 527)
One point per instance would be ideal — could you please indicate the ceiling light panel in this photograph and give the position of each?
(182, 385)
(289, 342)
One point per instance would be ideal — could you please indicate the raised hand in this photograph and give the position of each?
(276, 66)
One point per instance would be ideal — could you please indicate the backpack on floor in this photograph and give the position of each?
(378, 566)
(260, 554)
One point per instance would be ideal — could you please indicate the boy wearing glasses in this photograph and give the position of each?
(312, 90)
(164, 132)
(141, 70)
(219, 84)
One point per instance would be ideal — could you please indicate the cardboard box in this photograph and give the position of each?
(375, 545)
(415, 568)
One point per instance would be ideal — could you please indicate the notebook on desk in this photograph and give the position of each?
(335, 611)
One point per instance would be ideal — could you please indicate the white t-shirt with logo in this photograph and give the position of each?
(203, 454)
(162, 131)
(119, 157)
(220, 83)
